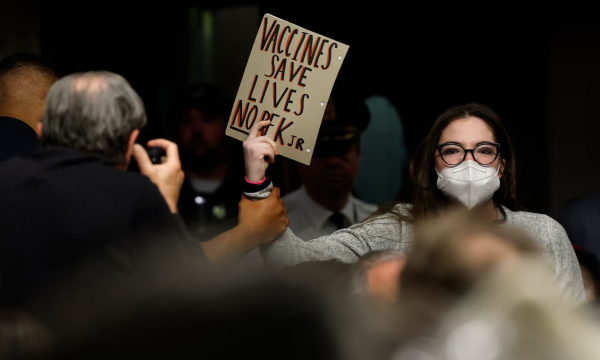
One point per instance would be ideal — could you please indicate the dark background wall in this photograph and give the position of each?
(537, 66)
(573, 99)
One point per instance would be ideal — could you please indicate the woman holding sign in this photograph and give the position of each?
(467, 159)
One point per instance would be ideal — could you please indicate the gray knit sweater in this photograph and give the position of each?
(387, 233)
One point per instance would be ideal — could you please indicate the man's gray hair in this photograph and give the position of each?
(94, 112)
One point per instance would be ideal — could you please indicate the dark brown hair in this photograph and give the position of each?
(427, 199)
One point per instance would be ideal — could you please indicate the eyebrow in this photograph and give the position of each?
(462, 144)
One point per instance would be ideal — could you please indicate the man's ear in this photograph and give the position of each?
(132, 139)
(502, 164)
(39, 129)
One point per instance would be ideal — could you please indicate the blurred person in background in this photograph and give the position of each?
(212, 162)
(24, 82)
(590, 271)
(466, 161)
(580, 218)
(324, 203)
(376, 276)
(382, 143)
(72, 201)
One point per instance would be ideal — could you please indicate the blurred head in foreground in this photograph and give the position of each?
(376, 276)
(451, 253)
(590, 272)
(20, 334)
(174, 309)
(330, 276)
(515, 312)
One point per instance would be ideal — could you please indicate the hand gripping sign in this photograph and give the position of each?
(287, 81)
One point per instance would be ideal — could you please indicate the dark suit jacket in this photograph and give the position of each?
(61, 207)
(16, 138)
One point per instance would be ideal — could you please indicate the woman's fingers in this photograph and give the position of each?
(264, 140)
(265, 151)
(256, 128)
(271, 142)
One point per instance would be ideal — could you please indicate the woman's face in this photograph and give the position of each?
(468, 132)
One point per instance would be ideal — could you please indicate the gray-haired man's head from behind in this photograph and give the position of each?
(94, 112)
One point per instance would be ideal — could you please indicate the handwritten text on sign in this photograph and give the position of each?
(288, 80)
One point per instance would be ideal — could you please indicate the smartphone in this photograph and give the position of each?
(156, 153)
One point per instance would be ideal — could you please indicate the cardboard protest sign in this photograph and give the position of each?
(288, 80)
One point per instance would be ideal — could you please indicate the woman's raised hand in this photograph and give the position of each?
(259, 151)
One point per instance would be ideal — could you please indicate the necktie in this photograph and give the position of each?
(338, 220)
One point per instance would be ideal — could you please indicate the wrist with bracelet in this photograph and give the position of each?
(255, 186)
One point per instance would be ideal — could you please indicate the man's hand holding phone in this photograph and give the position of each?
(167, 175)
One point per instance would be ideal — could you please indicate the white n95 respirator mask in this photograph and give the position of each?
(469, 183)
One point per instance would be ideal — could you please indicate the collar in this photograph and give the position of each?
(318, 215)
(59, 154)
(508, 213)
(16, 138)
(503, 220)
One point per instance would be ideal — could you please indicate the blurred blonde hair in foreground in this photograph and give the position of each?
(514, 313)
(491, 298)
